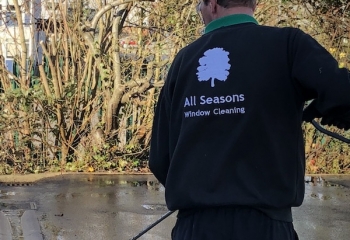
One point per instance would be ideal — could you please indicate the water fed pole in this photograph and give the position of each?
(329, 133)
(152, 225)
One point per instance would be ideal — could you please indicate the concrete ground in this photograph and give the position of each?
(92, 206)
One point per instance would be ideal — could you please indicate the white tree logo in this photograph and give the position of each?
(214, 65)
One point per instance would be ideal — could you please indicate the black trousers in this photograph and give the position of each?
(230, 224)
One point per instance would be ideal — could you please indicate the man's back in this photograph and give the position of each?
(233, 140)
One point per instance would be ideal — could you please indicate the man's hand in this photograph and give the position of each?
(341, 123)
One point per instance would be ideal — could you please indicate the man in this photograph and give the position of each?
(227, 142)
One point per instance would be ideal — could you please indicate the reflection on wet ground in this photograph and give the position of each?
(119, 207)
(4, 194)
(325, 213)
(320, 181)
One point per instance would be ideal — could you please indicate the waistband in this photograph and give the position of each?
(282, 214)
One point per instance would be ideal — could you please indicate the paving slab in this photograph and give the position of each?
(5, 228)
(30, 226)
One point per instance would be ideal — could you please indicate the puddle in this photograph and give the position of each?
(320, 182)
(154, 185)
(4, 194)
(155, 207)
(320, 196)
(68, 195)
(96, 191)
(150, 185)
(103, 195)
(100, 182)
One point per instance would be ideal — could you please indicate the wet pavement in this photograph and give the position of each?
(90, 206)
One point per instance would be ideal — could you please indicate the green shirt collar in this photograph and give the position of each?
(229, 20)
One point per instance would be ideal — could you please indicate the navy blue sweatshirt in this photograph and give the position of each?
(227, 128)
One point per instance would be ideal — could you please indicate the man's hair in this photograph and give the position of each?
(234, 3)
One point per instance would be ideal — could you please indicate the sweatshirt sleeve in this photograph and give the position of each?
(159, 150)
(320, 78)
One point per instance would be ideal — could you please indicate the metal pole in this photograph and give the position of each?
(152, 225)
